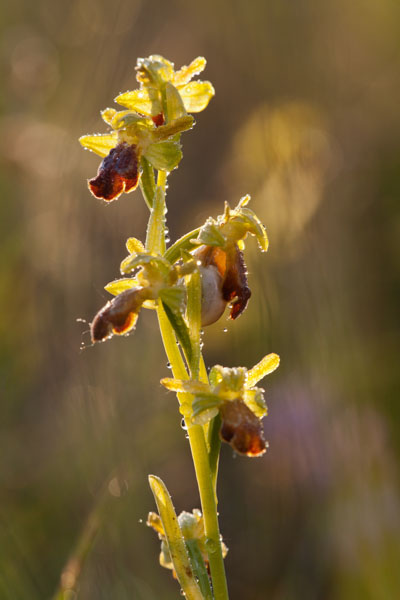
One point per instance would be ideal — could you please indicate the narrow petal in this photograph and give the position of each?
(101, 144)
(120, 285)
(186, 73)
(133, 245)
(266, 366)
(196, 95)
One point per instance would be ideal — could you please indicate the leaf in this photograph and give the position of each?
(193, 312)
(174, 297)
(196, 95)
(199, 568)
(164, 156)
(175, 540)
(266, 366)
(147, 182)
(101, 144)
(181, 331)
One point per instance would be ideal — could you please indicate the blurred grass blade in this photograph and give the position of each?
(175, 540)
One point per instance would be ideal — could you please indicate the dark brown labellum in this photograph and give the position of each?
(118, 172)
(119, 315)
(242, 429)
(235, 288)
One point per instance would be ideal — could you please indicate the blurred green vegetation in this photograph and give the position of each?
(306, 120)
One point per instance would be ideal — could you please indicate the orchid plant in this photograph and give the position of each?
(189, 285)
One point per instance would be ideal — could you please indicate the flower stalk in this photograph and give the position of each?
(198, 447)
(190, 285)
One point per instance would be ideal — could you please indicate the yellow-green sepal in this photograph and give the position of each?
(186, 73)
(145, 101)
(101, 144)
(196, 95)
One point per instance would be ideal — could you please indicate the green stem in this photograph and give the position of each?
(196, 434)
(201, 464)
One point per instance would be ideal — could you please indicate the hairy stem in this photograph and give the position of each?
(201, 464)
(197, 440)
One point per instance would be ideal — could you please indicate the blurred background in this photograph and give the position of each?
(305, 119)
